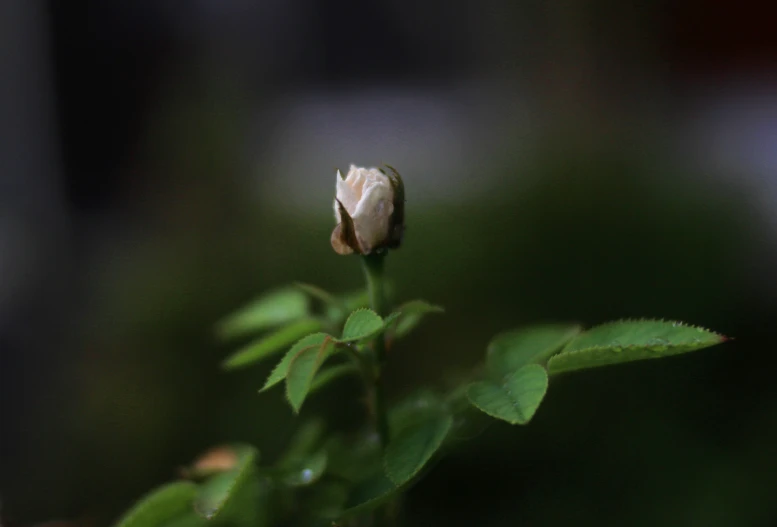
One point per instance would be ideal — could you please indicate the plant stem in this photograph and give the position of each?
(373, 272)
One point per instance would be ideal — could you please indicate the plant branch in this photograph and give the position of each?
(373, 265)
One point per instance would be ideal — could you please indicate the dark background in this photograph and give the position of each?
(163, 162)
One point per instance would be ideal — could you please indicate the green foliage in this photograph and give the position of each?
(414, 446)
(303, 369)
(411, 314)
(161, 506)
(232, 495)
(327, 501)
(361, 324)
(324, 296)
(515, 399)
(369, 495)
(354, 459)
(420, 406)
(631, 340)
(330, 374)
(282, 368)
(272, 309)
(388, 322)
(271, 344)
(306, 470)
(323, 477)
(306, 439)
(510, 351)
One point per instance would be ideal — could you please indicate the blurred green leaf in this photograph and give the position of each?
(414, 446)
(327, 298)
(361, 324)
(282, 368)
(332, 373)
(355, 299)
(188, 519)
(631, 340)
(305, 470)
(410, 315)
(510, 351)
(369, 495)
(271, 344)
(160, 506)
(233, 494)
(417, 407)
(355, 459)
(306, 439)
(302, 370)
(515, 399)
(269, 310)
(390, 319)
(328, 500)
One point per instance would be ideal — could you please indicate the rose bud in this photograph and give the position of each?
(369, 210)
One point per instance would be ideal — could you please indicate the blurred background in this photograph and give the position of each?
(161, 163)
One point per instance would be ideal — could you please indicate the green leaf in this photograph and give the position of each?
(305, 471)
(510, 351)
(355, 299)
(363, 323)
(410, 315)
(390, 319)
(160, 506)
(231, 493)
(414, 446)
(188, 519)
(515, 399)
(305, 439)
(327, 500)
(369, 495)
(324, 296)
(282, 368)
(269, 310)
(631, 340)
(270, 344)
(420, 406)
(303, 369)
(355, 459)
(332, 373)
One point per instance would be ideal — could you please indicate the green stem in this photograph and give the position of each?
(373, 272)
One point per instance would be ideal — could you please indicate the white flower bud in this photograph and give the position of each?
(365, 205)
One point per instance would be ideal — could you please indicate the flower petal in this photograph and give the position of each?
(347, 196)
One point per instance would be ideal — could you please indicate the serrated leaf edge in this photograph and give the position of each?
(449, 420)
(503, 384)
(278, 365)
(241, 475)
(565, 350)
(143, 502)
(353, 313)
(319, 361)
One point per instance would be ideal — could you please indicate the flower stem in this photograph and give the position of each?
(373, 265)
